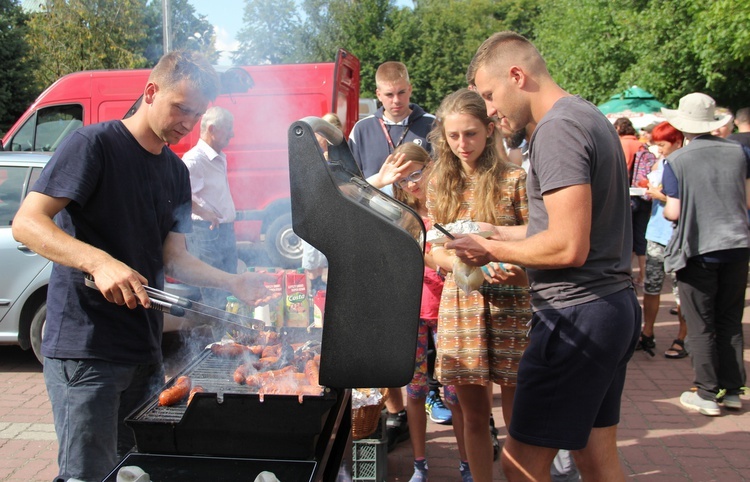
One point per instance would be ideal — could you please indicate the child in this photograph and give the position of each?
(408, 169)
(482, 335)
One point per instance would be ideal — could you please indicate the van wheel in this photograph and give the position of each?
(38, 324)
(283, 247)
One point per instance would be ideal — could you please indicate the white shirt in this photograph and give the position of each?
(208, 181)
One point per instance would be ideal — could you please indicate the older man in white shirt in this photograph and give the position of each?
(213, 239)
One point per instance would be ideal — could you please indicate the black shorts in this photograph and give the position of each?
(572, 373)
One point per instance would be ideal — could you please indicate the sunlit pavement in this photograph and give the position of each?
(658, 439)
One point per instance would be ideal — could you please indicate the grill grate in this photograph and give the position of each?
(213, 373)
(231, 420)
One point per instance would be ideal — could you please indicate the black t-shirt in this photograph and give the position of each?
(124, 200)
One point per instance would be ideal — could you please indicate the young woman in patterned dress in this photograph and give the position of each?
(482, 335)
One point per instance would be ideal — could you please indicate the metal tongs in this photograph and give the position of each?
(184, 307)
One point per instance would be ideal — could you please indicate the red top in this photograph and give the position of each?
(432, 286)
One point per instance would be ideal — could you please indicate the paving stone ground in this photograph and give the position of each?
(658, 439)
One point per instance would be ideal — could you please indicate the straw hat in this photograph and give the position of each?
(696, 114)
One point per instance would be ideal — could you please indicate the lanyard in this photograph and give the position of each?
(388, 136)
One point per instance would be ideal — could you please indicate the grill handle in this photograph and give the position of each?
(332, 134)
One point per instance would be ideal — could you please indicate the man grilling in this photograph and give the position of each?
(114, 202)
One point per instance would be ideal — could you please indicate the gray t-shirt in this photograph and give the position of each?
(575, 144)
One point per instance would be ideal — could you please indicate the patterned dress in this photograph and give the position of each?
(482, 336)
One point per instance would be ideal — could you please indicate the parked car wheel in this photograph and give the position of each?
(283, 247)
(38, 324)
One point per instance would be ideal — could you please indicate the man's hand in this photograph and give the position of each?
(121, 284)
(250, 288)
(505, 274)
(471, 249)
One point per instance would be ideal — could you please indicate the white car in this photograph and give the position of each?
(24, 275)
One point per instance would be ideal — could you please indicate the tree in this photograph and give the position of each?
(17, 86)
(189, 31)
(73, 35)
(668, 47)
(438, 39)
(588, 45)
(271, 28)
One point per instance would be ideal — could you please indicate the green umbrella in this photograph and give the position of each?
(632, 100)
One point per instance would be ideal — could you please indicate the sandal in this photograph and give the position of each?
(678, 352)
(647, 344)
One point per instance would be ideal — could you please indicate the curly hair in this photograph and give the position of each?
(624, 127)
(449, 177)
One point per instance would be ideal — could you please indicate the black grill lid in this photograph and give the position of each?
(374, 246)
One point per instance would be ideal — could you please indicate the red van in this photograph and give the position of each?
(265, 101)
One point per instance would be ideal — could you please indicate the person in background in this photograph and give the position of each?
(742, 121)
(314, 262)
(646, 135)
(408, 169)
(212, 240)
(517, 148)
(397, 121)
(726, 130)
(114, 203)
(576, 250)
(658, 234)
(371, 141)
(706, 184)
(481, 335)
(640, 161)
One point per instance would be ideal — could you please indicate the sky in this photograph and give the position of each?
(227, 21)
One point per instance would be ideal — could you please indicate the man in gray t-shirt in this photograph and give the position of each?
(576, 249)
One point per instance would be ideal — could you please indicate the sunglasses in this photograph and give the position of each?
(415, 176)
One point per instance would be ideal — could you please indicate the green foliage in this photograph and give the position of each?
(74, 35)
(269, 34)
(17, 65)
(668, 47)
(445, 35)
(189, 31)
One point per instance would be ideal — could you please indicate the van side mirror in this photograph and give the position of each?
(236, 81)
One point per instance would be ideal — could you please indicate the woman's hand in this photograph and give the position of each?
(392, 170)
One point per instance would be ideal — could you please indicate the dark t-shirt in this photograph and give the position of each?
(741, 137)
(575, 144)
(123, 200)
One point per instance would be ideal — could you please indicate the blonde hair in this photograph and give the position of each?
(414, 153)
(503, 48)
(189, 65)
(333, 119)
(390, 72)
(449, 178)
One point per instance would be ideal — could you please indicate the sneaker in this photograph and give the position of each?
(465, 472)
(705, 407)
(732, 401)
(396, 429)
(420, 471)
(437, 410)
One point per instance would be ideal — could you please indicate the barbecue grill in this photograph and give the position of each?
(374, 246)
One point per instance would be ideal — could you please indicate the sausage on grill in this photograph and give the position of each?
(176, 393)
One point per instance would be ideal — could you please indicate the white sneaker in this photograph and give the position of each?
(694, 401)
(732, 401)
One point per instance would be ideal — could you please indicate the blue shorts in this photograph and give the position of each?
(571, 376)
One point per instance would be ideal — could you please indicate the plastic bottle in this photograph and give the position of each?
(233, 305)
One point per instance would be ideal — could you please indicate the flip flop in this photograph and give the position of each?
(676, 352)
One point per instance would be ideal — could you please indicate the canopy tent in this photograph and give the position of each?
(638, 105)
